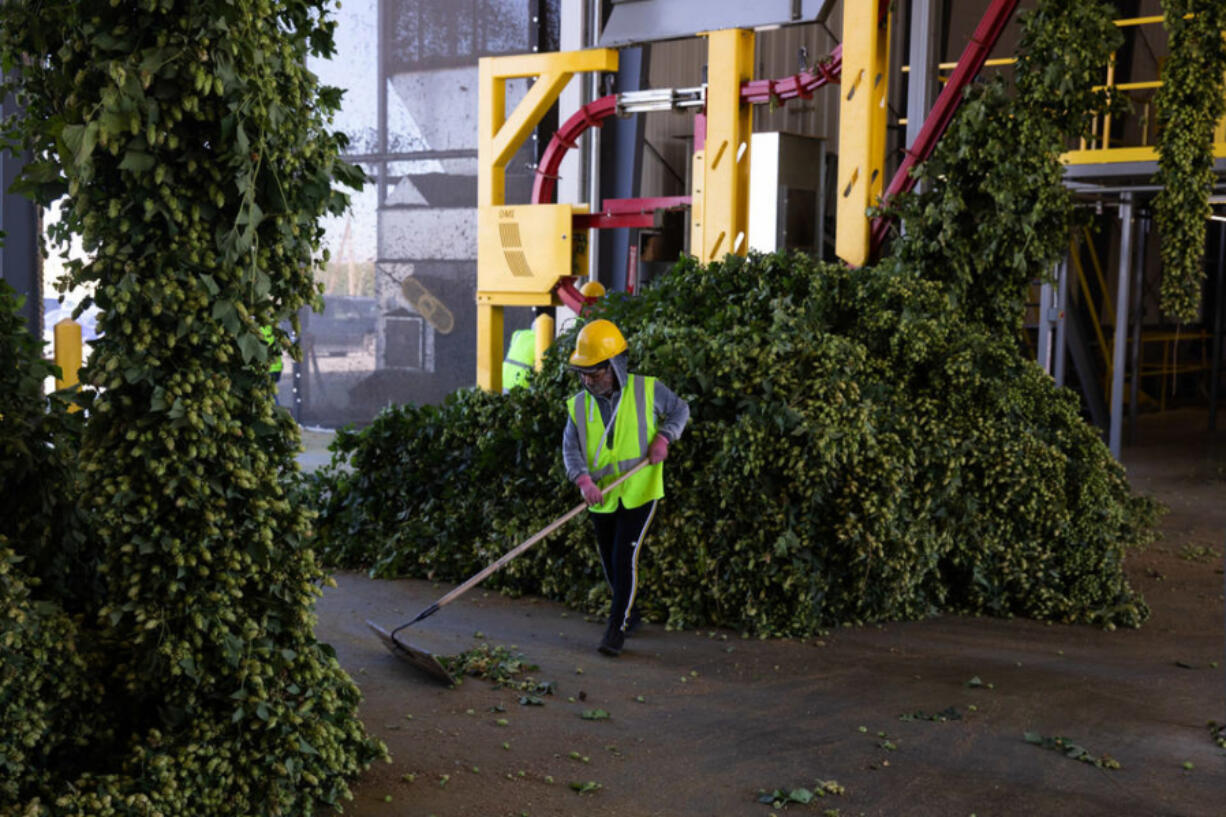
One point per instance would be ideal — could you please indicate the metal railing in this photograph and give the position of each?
(1100, 147)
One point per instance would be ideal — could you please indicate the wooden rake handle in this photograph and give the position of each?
(518, 549)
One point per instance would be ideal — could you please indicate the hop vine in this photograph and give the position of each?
(1190, 103)
(194, 158)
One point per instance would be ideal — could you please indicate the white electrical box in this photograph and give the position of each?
(787, 198)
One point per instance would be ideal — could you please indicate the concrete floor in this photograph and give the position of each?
(315, 442)
(702, 720)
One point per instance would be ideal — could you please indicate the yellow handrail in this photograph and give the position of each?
(949, 66)
(1098, 148)
(1099, 276)
(1075, 254)
(1141, 21)
(1110, 84)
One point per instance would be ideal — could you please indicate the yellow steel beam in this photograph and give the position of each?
(1099, 275)
(698, 186)
(949, 66)
(493, 298)
(1132, 86)
(1124, 22)
(489, 346)
(1133, 154)
(862, 121)
(723, 214)
(1103, 156)
(1103, 345)
(518, 126)
(491, 114)
(499, 136)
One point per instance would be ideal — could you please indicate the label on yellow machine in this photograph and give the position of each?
(526, 248)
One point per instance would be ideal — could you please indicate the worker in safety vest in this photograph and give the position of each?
(611, 424)
(521, 354)
(519, 360)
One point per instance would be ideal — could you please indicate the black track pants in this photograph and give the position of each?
(620, 537)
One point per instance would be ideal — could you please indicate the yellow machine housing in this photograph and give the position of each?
(524, 249)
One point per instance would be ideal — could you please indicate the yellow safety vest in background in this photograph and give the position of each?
(634, 428)
(519, 360)
(276, 364)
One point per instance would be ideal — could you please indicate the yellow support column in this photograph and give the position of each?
(721, 203)
(489, 345)
(68, 353)
(698, 185)
(862, 121)
(543, 330)
(499, 136)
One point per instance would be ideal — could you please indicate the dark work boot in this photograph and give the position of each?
(612, 642)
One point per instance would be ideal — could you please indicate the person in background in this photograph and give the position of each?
(612, 423)
(276, 364)
(592, 289)
(521, 355)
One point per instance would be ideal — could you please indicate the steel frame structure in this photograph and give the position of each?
(719, 196)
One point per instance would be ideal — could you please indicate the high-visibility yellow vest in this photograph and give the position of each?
(634, 427)
(276, 364)
(519, 359)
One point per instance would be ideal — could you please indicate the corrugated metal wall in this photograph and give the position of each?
(679, 64)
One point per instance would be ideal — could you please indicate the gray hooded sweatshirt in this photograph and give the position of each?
(672, 413)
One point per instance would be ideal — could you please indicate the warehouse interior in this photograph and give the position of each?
(409, 71)
(874, 588)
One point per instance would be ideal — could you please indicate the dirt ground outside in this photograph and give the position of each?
(702, 721)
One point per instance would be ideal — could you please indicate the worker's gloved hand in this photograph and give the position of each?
(591, 493)
(658, 450)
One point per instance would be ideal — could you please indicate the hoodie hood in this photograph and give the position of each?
(620, 364)
(621, 369)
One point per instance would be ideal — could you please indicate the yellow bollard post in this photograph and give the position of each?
(68, 353)
(543, 329)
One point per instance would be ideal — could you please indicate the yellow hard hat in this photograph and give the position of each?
(599, 341)
(592, 289)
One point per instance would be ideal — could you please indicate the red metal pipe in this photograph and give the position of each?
(638, 213)
(649, 204)
(606, 221)
(971, 62)
(571, 297)
(804, 84)
(761, 91)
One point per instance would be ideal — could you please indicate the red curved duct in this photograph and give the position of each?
(595, 113)
(760, 91)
